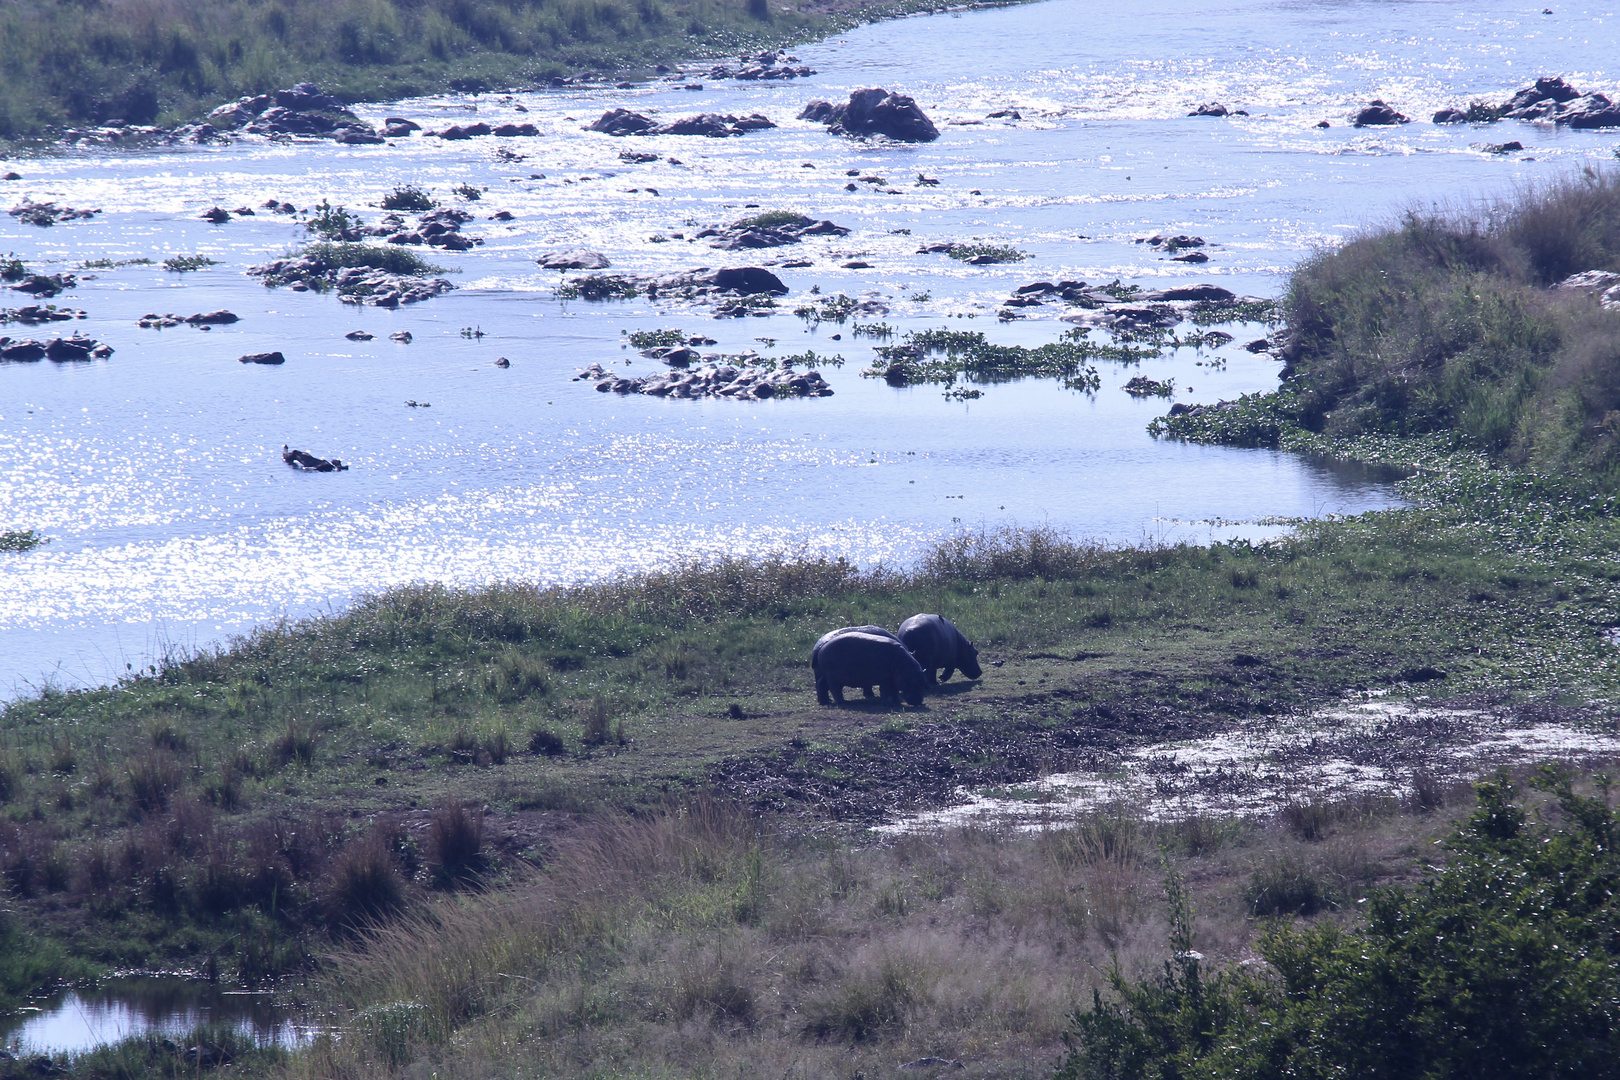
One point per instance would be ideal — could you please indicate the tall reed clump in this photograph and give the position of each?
(1449, 322)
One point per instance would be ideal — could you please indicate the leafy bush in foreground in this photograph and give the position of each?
(1504, 963)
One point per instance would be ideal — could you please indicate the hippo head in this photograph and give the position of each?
(968, 660)
(911, 685)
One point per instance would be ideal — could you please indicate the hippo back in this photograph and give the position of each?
(875, 631)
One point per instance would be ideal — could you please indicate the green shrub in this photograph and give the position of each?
(408, 197)
(22, 540)
(184, 264)
(1504, 963)
(392, 258)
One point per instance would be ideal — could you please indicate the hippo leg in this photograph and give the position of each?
(822, 697)
(891, 692)
(838, 692)
(946, 677)
(867, 690)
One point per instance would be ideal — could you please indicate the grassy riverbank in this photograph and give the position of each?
(154, 61)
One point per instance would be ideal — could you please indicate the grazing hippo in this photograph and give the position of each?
(875, 631)
(856, 659)
(936, 643)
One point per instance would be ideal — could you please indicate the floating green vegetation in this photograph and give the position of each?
(657, 339)
(22, 540)
(181, 264)
(962, 393)
(809, 359)
(986, 254)
(12, 268)
(881, 331)
(468, 192)
(334, 223)
(1142, 386)
(408, 197)
(945, 356)
(1120, 291)
(112, 264)
(771, 219)
(598, 287)
(393, 258)
(1216, 312)
(833, 309)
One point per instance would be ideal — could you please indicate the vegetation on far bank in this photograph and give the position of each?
(148, 61)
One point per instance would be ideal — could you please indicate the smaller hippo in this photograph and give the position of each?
(936, 643)
(876, 631)
(857, 659)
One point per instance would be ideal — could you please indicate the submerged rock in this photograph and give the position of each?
(712, 125)
(262, 358)
(574, 259)
(1377, 114)
(874, 111)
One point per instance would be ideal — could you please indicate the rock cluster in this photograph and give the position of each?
(35, 314)
(77, 347)
(45, 286)
(436, 228)
(743, 235)
(713, 125)
(46, 214)
(299, 110)
(472, 131)
(1143, 313)
(202, 320)
(1548, 98)
(355, 284)
(874, 111)
(762, 66)
(717, 380)
(733, 281)
(1215, 108)
(1377, 114)
(1603, 284)
(574, 259)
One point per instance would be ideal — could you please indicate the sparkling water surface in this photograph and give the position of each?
(174, 523)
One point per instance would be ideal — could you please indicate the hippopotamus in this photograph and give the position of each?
(876, 631)
(936, 643)
(858, 659)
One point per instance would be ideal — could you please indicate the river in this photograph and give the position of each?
(173, 522)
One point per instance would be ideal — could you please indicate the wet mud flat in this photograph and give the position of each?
(1039, 761)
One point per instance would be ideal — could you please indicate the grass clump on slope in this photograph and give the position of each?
(1451, 324)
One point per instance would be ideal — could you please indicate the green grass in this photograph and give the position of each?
(183, 264)
(153, 61)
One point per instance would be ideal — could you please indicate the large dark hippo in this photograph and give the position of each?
(936, 643)
(858, 659)
(875, 631)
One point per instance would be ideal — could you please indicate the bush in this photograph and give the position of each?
(392, 258)
(408, 197)
(1504, 963)
(545, 742)
(363, 886)
(456, 845)
(1286, 887)
(1447, 323)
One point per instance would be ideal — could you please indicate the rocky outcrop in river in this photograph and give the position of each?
(712, 381)
(712, 125)
(77, 347)
(365, 285)
(769, 231)
(1548, 98)
(299, 110)
(763, 66)
(874, 112)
